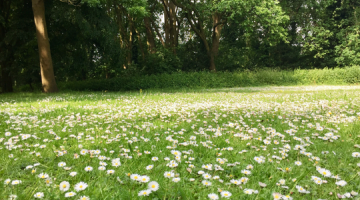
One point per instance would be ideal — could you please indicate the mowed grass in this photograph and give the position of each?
(195, 145)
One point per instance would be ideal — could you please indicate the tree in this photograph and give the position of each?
(46, 65)
(207, 18)
(5, 51)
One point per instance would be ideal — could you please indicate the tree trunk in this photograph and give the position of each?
(130, 41)
(46, 66)
(158, 33)
(173, 32)
(140, 45)
(166, 24)
(217, 27)
(149, 35)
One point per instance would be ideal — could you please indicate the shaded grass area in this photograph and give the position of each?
(205, 80)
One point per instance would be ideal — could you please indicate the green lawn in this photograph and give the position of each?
(300, 143)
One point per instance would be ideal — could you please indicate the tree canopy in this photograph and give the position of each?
(101, 39)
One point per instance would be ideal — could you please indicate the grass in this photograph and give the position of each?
(228, 130)
(178, 81)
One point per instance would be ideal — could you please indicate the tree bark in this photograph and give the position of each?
(149, 35)
(46, 65)
(170, 19)
(130, 41)
(140, 45)
(217, 27)
(158, 33)
(166, 24)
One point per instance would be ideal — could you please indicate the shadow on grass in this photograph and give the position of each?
(71, 96)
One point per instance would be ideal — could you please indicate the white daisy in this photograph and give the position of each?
(144, 193)
(153, 186)
(64, 186)
(80, 186)
(70, 194)
(39, 195)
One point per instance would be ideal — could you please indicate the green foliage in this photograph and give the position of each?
(203, 79)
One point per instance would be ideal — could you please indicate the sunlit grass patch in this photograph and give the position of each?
(188, 145)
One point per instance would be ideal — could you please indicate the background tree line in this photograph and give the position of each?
(102, 39)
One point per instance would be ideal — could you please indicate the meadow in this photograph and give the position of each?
(243, 143)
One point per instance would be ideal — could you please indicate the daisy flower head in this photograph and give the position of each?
(319, 181)
(116, 162)
(144, 179)
(101, 168)
(15, 182)
(83, 152)
(356, 154)
(236, 182)
(154, 158)
(341, 183)
(153, 186)
(80, 186)
(110, 171)
(206, 183)
(282, 181)
(39, 195)
(88, 168)
(64, 186)
(149, 167)
(225, 194)
(144, 193)
(298, 163)
(277, 196)
(7, 181)
(70, 194)
(73, 174)
(84, 198)
(301, 189)
(246, 172)
(176, 180)
(325, 172)
(61, 164)
(213, 196)
(243, 180)
(48, 181)
(287, 197)
(206, 176)
(169, 174)
(250, 191)
(250, 167)
(135, 177)
(43, 175)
